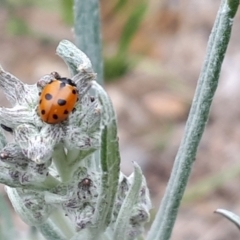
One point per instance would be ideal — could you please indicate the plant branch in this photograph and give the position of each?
(87, 33)
(198, 116)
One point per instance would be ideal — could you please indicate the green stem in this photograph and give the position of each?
(87, 33)
(57, 227)
(207, 84)
(50, 182)
(63, 223)
(61, 163)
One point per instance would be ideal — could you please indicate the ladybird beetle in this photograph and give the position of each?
(57, 100)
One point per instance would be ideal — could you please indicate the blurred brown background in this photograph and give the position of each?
(152, 97)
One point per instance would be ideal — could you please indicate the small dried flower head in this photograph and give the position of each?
(18, 169)
(77, 198)
(140, 211)
(31, 205)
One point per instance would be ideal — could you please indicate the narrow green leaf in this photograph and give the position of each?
(230, 216)
(67, 11)
(122, 222)
(131, 27)
(110, 162)
(119, 5)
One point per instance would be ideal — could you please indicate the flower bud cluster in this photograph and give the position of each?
(140, 211)
(19, 170)
(77, 198)
(60, 166)
(27, 163)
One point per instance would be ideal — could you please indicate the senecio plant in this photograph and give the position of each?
(65, 178)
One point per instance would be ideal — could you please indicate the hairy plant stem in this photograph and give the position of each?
(88, 34)
(198, 116)
(59, 159)
(57, 227)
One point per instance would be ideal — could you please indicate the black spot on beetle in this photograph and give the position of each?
(74, 91)
(66, 111)
(55, 116)
(48, 96)
(61, 102)
(43, 112)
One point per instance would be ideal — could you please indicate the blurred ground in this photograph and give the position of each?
(153, 99)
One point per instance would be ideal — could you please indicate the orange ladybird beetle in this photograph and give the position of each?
(57, 99)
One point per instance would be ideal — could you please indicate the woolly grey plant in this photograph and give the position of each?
(162, 226)
(65, 178)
